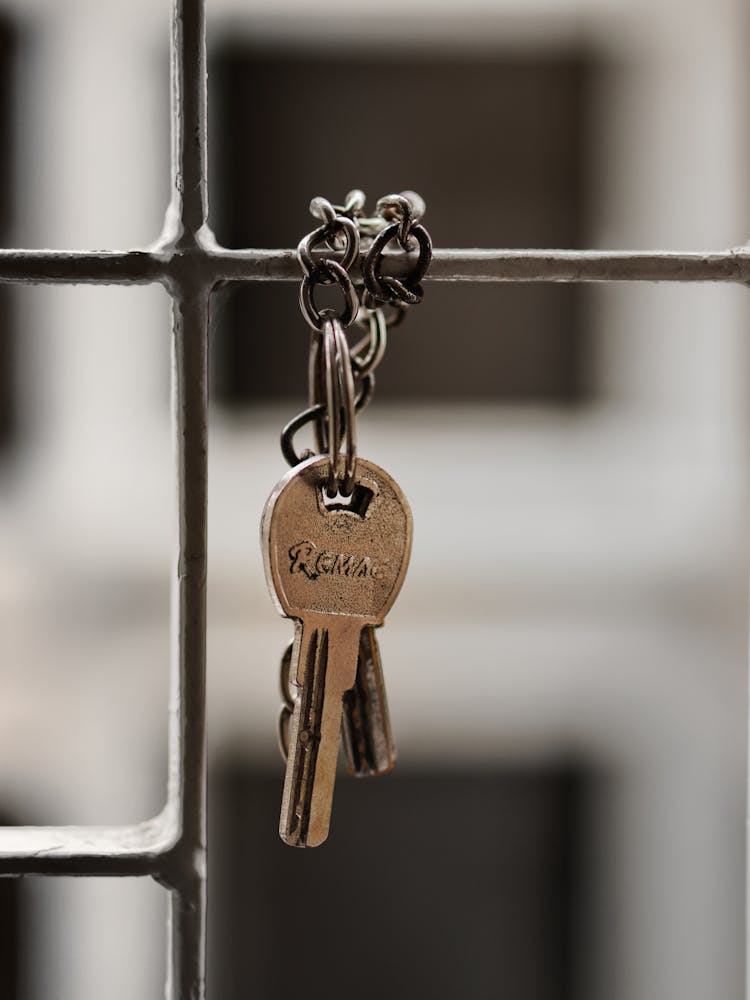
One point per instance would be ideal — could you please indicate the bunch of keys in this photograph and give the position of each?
(336, 533)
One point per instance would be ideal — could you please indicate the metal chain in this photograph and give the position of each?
(341, 378)
(327, 270)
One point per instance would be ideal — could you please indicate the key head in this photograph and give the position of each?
(341, 556)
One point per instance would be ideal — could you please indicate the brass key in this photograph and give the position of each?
(336, 565)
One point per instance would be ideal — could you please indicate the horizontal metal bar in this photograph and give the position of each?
(513, 265)
(104, 267)
(210, 264)
(140, 849)
(589, 265)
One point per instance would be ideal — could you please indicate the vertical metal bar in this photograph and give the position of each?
(189, 190)
(190, 291)
(188, 903)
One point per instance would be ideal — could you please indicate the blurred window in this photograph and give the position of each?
(497, 147)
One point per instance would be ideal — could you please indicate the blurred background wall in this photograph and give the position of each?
(571, 711)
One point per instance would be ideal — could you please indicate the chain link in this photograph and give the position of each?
(400, 214)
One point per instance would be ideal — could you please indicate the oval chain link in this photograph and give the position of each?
(401, 214)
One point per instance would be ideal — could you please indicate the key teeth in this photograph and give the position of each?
(297, 840)
(290, 841)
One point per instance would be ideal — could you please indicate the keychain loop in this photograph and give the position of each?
(314, 413)
(334, 401)
(346, 382)
(365, 356)
(340, 409)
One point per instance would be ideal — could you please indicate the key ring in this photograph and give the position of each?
(334, 404)
(314, 413)
(365, 357)
(333, 401)
(346, 381)
(340, 408)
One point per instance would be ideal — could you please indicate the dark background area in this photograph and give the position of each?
(441, 885)
(497, 147)
(10, 931)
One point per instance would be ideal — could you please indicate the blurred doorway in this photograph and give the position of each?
(438, 884)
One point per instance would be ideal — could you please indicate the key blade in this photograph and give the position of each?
(324, 664)
(367, 735)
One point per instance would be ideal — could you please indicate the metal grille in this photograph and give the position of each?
(189, 263)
